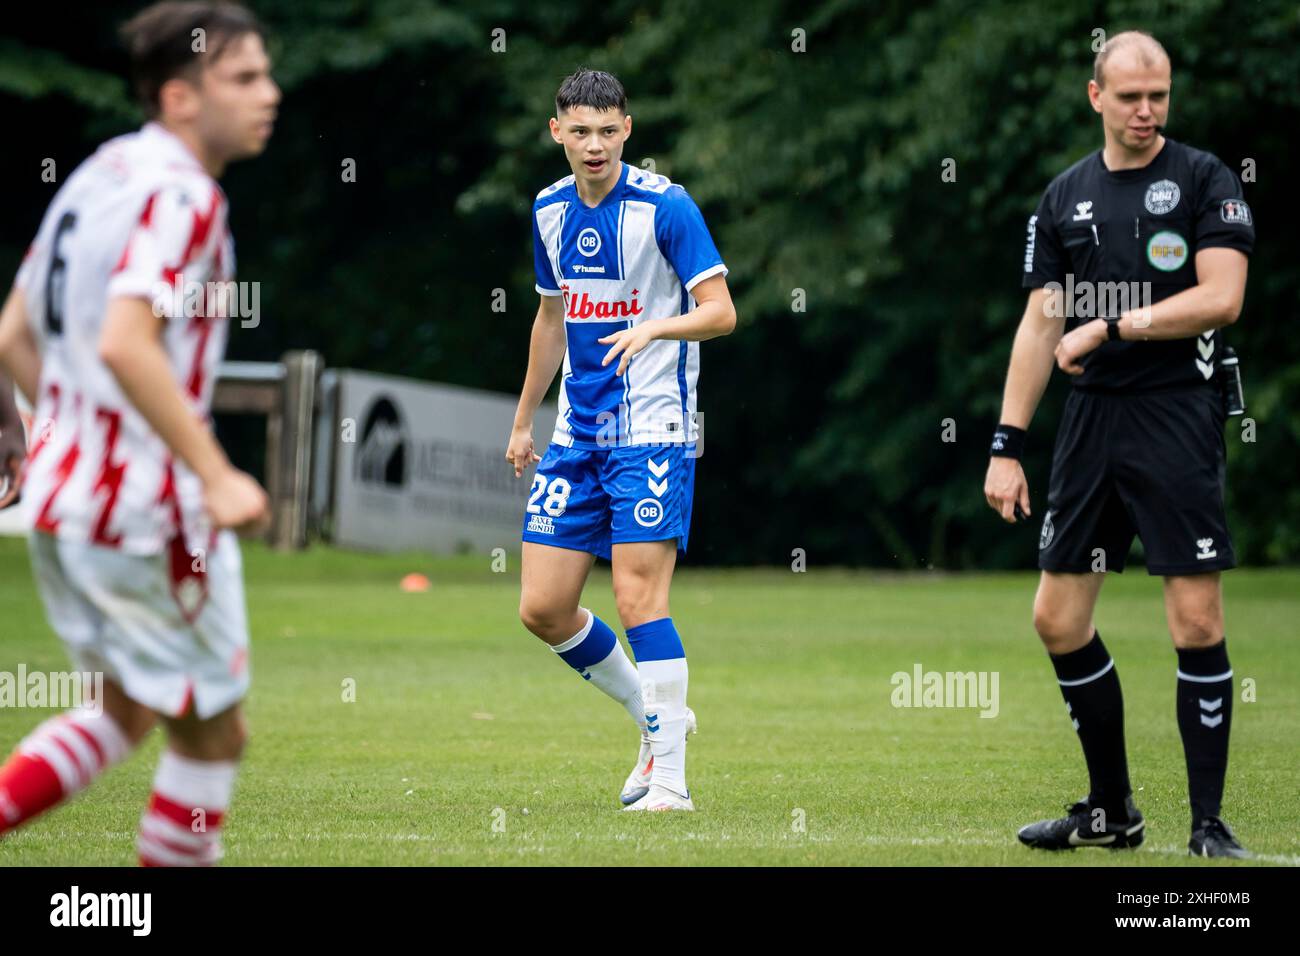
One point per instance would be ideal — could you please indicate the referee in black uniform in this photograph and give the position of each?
(1140, 447)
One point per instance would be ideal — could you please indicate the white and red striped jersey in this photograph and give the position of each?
(138, 217)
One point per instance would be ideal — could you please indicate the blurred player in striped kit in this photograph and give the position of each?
(133, 504)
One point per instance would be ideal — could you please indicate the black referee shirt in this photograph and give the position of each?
(1135, 226)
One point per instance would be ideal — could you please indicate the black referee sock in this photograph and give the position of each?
(1204, 718)
(1090, 686)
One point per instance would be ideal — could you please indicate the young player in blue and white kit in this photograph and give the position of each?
(630, 283)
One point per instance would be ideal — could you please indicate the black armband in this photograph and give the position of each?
(1008, 442)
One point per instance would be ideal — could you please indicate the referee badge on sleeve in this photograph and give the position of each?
(1235, 211)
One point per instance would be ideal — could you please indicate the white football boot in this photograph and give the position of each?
(661, 798)
(638, 781)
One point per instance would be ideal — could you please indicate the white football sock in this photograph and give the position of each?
(595, 653)
(663, 687)
(182, 824)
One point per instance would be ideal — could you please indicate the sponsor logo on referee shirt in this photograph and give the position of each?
(1167, 251)
(1029, 243)
(1083, 211)
(1161, 197)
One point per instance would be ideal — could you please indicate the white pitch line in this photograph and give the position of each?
(723, 842)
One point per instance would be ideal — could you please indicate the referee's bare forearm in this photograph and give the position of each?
(1032, 360)
(1213, 303)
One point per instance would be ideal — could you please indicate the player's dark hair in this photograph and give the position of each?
(170, 39)
(595, 88)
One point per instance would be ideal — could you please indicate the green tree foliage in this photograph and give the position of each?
(816, 137)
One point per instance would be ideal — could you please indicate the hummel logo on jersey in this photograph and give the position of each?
(1084, 211)
(583, 307)
(652, 722)
(1204, 544)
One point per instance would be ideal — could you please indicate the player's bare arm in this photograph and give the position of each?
(13, 445)
(1213, 303)
(20, 363)
(132, 349)
(713, 316)
(19, 356)
(1032, 353)
(545, 353)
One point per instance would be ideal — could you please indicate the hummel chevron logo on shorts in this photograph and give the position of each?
(658, 487)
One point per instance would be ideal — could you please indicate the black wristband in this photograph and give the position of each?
(1112, 328)
(1008, 442)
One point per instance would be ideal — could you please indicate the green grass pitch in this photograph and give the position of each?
(470, 743)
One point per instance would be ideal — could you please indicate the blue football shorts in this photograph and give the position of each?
(587, 500)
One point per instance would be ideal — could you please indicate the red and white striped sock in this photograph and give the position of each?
(182, 824)
(57, 760)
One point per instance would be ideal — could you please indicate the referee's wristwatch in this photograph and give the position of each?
(1112, 328)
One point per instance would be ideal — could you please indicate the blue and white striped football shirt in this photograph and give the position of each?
(635, 256)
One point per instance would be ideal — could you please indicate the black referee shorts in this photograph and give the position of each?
(1148, 464)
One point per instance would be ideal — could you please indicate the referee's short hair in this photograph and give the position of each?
(1149, 50)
